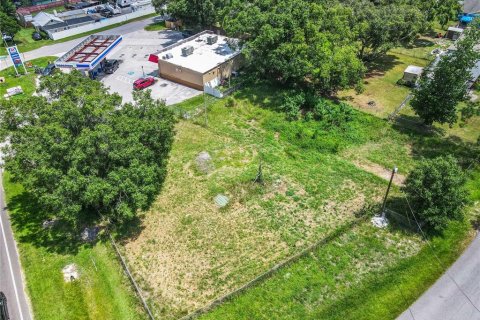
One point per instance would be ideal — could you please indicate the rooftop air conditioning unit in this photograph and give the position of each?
(186, 51)
(212, 39)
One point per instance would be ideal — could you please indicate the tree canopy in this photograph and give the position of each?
(436, 191)
(82, 153)
(297, 42)
(201, 13)
(8, 24)
(316, 44)
(444, 85)
(8, 8)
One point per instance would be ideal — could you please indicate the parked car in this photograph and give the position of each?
(48, 70)
(7, 37)
(3, 307)
(106, 14)
(143, 83)
(37, 36)
(111, 66)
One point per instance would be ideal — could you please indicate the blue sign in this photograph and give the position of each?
(15, 56)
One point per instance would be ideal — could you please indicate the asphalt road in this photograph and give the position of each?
(11, 278)
(62, 47)
(444, 300)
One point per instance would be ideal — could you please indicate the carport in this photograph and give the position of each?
(89, 55)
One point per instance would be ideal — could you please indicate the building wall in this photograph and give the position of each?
(410, 77)
(196, 80)
(224, 70)
(180, 75)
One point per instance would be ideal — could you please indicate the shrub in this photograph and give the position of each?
(436, 191)
(230, 103)
(293, 102)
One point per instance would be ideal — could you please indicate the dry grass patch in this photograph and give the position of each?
(190, 251)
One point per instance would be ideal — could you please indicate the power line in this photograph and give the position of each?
(438, 259)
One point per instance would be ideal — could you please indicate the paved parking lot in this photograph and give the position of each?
(133, 54)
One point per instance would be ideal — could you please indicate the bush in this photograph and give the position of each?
(230, 103)
(436, 191)
(293, 102)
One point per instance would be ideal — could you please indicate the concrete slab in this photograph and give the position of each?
(133, 53)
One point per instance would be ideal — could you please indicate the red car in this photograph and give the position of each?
(142, 83)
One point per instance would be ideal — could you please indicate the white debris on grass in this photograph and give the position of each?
(70, 272)
(380, 222)
(221, 200)
(204, 162)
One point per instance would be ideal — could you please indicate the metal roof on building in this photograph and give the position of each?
(69, 23)
(88, 54)
(44, 18)
(471, 6)
(414, 70)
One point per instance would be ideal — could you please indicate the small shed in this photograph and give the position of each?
(453, 33)
(411, 74)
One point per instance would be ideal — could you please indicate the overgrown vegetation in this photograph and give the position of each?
(188, 251)
(436, 191)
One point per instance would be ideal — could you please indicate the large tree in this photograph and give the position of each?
(8, 24)
(444, 85)
(82, 153)
(8, 8)
(203, 13)
(380, 26)
(436, 191)
(297, 42)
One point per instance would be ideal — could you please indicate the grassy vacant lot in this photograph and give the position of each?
(187, 251)
(25, 42)
(365, 273)
(383, 74)
(381, 87)
(27, 82)
(102, 292)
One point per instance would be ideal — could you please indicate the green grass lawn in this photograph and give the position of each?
(26, 81)
(157, 26)
(187, 251)
(365, 273)
(101, 292)
(25, 42)
(383, 74)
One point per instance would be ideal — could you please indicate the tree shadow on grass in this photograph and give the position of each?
(379, 66)
(129, 231)
(430, 141)
(27, 218)
(262, 94)
(420, 43)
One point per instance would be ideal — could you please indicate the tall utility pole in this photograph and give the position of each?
(381, 221)
(395, 169)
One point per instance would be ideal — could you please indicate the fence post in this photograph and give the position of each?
(134, 283)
